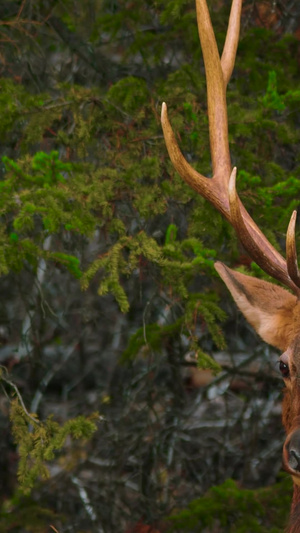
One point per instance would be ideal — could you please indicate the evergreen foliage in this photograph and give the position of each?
(229, 508)
(37, 445)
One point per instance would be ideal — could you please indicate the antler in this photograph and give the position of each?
(220, 190)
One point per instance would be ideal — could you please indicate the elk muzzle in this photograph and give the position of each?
(291, 454)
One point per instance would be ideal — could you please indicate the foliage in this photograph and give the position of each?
(228, 507)
(36, 203)
(272, 100)
(39, 445)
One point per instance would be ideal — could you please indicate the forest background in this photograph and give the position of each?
(109, 297)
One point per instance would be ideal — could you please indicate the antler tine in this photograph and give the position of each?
(291, 251)
(186, 171)
(216, 97)
(231, 41)
(206, 187)
(258, 247)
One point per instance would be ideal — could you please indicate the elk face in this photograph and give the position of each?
(289, 365)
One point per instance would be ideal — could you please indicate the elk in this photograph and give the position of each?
(273, 312)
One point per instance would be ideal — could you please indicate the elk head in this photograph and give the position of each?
(274, 312)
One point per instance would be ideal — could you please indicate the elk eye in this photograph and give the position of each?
(284, 369)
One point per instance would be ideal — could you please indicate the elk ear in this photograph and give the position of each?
(271, 310)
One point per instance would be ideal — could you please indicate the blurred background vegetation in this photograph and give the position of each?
(109, 298)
